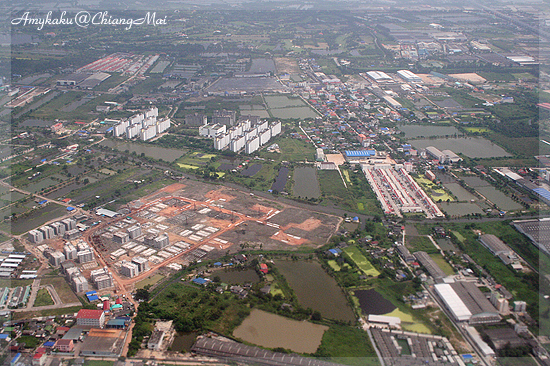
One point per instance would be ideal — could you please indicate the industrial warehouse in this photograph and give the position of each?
(467, 303)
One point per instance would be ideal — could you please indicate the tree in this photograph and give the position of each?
(142, 294)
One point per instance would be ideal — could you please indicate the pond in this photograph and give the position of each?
(280, 181)
(149, 150)
(274, 331)
(294, 112)
(460, 192)
(371, 302)
(414, 131)
(460, 208)
(233, 277)
(306, 184)
(473, 147)
(252, 170)
(315, 289)
(498, 198)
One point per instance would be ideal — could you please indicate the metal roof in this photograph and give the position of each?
(453, 301)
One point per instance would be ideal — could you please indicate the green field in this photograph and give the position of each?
(348, 346)
(62, 288)
(291, 150)
(477, 129)
(435, 192)
(149, 281)
(442, 263)
(361, 261)
(43, 298)
(420, 243)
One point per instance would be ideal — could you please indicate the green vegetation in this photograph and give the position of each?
(442, 263)
(347, 345)
(30, 341)
(361, 261)
(149, 281)
(62, 288)
(420, 243)
(291, 150)
(43, 298)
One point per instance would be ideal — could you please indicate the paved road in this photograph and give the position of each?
(48, 307)
(34, 292)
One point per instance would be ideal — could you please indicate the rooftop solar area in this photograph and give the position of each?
(362, 153)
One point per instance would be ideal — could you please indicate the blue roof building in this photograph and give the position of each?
(200, 281)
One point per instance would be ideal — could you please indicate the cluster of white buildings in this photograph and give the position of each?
(65, 228)
(244, 135)
(134, 267)
(142, 125)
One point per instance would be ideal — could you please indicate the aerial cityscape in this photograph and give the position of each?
(275, 183)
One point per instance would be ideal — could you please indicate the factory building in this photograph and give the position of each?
(435, 153)
(498, 248)
(91, 318)
(467, 303)
(319, 155)
(379, 76)
(409, 76)
(451, 157)
(433, 269)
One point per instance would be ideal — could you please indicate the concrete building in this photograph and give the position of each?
(35, 236)
(319, 155)
(69, 223)
(47, 232)
(252, 145)
(104, 281)
(59, 228)
(72, 234)
(64, 345)
(520, 306)
(224, 117)
(142, 263)
(129, 269)
(80, 284)
(158, 242)
(121, 237)
(85, 256)
(92, 318)
(70, 251)
(56, 258)
(212, 130)
(134, 231)
(195, 120)
(148, 133)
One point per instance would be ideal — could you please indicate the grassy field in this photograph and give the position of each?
(442, 263)
(420, 243)
(62, 288)
(54, 312)
(43, 298)
(477, 129)
(12, 283)
(361, 261)
(291, 150)
(436, 193)
(349, 346)
(151, 280)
